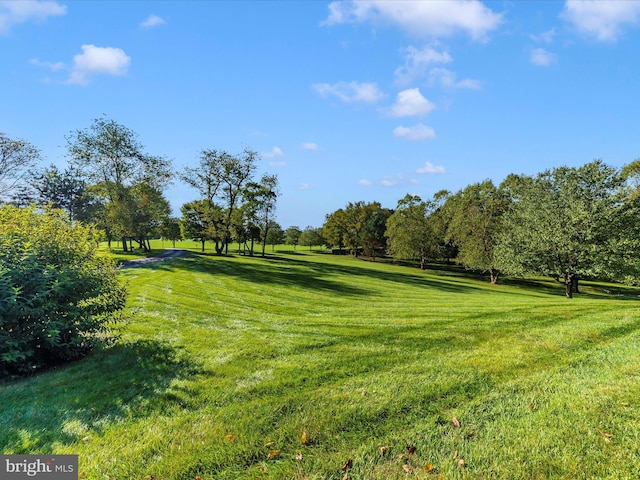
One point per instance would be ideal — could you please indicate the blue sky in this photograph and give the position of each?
(346, 101)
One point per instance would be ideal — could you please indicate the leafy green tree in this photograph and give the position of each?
(261, 200)
(201, 221)
(275, 235)
(170, 230)
(475, 223)
(570, 223)
(150, 210)
(440, 220)
(410, 233)
(66, 190)
(373, 231)
(57, 296)
(355, 219)
(311, 237)
(17, 158)
(292, 236)
(224, 177)
(334, 229)
(110, 157)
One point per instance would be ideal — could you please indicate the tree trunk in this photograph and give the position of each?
(203, 246)
(124, 245)
(574, 284)
(493, 276)
(568, 285)
(423, 265)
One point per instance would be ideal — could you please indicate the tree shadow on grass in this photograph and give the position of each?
(63, 406)
(262, 272)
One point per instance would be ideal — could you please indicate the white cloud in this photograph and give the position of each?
(13, 12)
(364, 182)
(422, 19)
(350, 92)
(153, 21)
(601, 19)
(309, 146)
(542, 58)
(447, 79)
(416, 63)
(416, 133)
(275, 152)
(98, 61)
(544, 37)
(304, 186)
(54, 67)
(430, 168)
(410, 103)
(399, 179)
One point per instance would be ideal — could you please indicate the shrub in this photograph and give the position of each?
(57, 297)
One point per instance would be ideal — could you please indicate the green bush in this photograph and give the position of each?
(57, 298)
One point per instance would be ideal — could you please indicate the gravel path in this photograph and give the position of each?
(166, 254)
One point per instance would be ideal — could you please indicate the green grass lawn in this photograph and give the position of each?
(313, 366)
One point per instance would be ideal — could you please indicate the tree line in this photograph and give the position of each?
(569, 223)
(111, 181)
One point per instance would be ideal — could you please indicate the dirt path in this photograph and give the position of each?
(165, 255)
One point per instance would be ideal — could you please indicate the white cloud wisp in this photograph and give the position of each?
(430, 169)
(420, 19)
(352, 92)
(416, 133)
(13, 12)
(153, 21)
(602, 20)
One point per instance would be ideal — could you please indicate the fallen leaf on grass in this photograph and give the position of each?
(198, 477)
(605, 434)
(455, 454)
(273, 454)
(298, 456)
(428, 467)
(383, 450)
(347, 465)
(411, 449)
(624, 404)
(230, 437)
(407, 469)
(303, 437)
(460, 463)
(456, 422)
(346, 476)
(268, 444)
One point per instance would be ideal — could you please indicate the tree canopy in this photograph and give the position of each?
(569, 223)
(411, 234)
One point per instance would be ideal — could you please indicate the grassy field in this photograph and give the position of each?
(313, 366)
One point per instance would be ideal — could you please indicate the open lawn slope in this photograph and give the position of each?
(314, 366)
